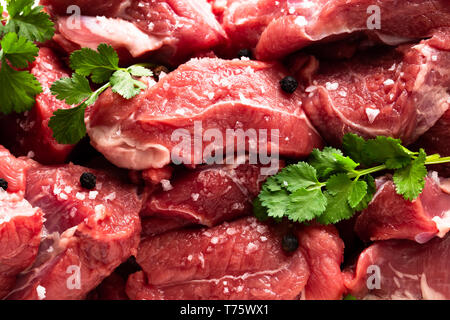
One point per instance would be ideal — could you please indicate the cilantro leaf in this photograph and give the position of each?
(410, 181)
(259, 211)
(28, 22)
(17, 90)
(139, 71)
(68, 124)
(276, 202)
(357, 193)
(345, 163)
(123, 83)
(297, 176)
(371, 189)
(73, 90)
(339, 189)
(324, 161)
(388, 151)
(305, 205)
(100, 64)
(18, 50)
(353, 146)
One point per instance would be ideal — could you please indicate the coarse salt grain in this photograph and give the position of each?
(40, 292)
(80, 196)
(93, 195)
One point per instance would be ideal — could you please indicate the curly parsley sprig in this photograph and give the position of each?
(24, 25)
(102, 66)
(331, 186)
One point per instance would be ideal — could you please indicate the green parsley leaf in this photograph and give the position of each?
(100, 64)
(18, 51)
(353, 146)
(345, 163)
(28, 22)
(410, 181)
(371, 189)
(324, 161)
(388, 151)
(357, 193)
(73, 90)
(339, 188)
(349, 297)
(123, 83)
(139, 71)
(17, 90)
(276, 202)
(68, 124)
(259, 210)
(297, 176)
(305, 205)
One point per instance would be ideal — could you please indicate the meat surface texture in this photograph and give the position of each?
(436, 140)
(402, 269)
(20, 223)
(390, 216)
(202, 100)
(208, 196)
(87, 233)
(399, 92)
(278, 28)
(171, 30)
(29, 133)
(238, 260)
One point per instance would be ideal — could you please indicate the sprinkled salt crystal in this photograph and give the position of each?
(100, 212)
(214, 240)
(331, 86)
(80, 196)
(40, 292)
(50, 249)
(285, 183)
(291, 10)
(56, 190)
(342, 93)
(251, 247)
(231, 231)
(239, 289)
(311, 89)
(245, 58)
(195, 196)
(210, 95)
(388, 82)
(93, 194)
(67, 189)
(63, 196)
(372, 114)
(166, 185)
(110, 196)
(434, 58)
(190, 257)
(300, 21)
(30, 154)
(263, 239)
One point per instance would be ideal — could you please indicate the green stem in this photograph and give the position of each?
(438, 161)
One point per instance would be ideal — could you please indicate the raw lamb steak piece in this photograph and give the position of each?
(29, 133)
(404, 269)
(390, 216)
(171, 30)
(20, 223)
(238, 260)
(88, 233)
(392, 92)
(203, 96)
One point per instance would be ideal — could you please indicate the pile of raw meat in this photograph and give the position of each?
(150, 229)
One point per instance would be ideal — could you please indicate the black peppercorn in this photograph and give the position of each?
(3, 184)
(289, 84)
(245, 53)
(88, 180)
(290, 242)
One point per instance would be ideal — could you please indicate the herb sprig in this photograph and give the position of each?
(332, 185)
(102, 66)
(24, 25)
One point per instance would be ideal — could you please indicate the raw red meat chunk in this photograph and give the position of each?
(390, 216)
(28, 134)
(88, 233)
(202, 97)
(402, 269)
(392, 92)
(171, 30)
(238, 260)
